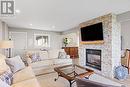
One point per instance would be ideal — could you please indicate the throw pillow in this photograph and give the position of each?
(43, 55)
(62, 55)
(53, 53)
(7, 77)
(3, 84)
(35, 57)
(15, 63)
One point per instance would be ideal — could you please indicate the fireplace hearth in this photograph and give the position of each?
(93, 58)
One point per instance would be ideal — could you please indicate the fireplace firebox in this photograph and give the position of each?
(93, 58)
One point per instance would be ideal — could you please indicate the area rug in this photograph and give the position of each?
(47, 80)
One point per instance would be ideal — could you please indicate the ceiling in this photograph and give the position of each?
(61, 15)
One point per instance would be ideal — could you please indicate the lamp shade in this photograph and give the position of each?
(6, 44)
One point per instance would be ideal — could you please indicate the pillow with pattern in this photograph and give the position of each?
(35, 57)
(3, 84)
(15, 63)
(62, 55)
(7, 77)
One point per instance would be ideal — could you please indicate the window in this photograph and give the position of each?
(42, 40)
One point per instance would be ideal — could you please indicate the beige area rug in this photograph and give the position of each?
(48, 81)
(126, 81)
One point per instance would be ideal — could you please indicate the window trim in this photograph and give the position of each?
(41, 35)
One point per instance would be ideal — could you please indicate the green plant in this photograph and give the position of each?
(65, 41)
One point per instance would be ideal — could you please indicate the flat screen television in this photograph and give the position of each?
(92, 32)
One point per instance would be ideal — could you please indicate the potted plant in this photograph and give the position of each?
(66, 41)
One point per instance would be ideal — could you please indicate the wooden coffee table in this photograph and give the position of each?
(70, 72)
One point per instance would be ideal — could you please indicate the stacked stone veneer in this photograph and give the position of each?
(111, 48)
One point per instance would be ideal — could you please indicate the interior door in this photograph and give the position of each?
(20, 42)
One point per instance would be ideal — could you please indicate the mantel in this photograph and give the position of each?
(92, 42)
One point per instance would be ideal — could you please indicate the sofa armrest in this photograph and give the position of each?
(89, 83)
(29, 61)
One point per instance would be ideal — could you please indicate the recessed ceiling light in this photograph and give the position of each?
(53, 26)
(17, 11)
(30, 24)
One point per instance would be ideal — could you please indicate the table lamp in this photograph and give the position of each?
(6, 44)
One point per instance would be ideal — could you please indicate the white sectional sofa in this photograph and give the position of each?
(50, 59)
(23, 78)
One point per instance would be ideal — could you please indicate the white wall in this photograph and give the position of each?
(3, 35)
(124, 19)
(125, 26)
(73, 35)
(0, 30)
(5, 31)
(0, 33)
(55, 37)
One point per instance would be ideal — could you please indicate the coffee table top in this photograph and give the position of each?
(71, 71)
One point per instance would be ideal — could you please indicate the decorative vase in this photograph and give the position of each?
(121, 72)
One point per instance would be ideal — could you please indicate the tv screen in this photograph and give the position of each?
(92, 32)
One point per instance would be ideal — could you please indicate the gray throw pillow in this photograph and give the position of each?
(15, 63)
(62, 55)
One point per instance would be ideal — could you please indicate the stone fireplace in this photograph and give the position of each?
(93, 58)
(103, 58)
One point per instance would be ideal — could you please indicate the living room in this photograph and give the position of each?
(64, 44)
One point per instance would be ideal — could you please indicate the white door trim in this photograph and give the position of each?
(11, 32)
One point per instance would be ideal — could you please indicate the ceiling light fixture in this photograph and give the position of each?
(17, 11)
(53, 26)
(30, 24)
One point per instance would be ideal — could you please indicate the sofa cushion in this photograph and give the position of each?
(54, 53)
(43, 70)
(27, 83)
(15, 63)
(3, 84)
(62, 61)
(37, 55)
(3, 65)
(42, 63)
(23, 74)
(43, 55)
